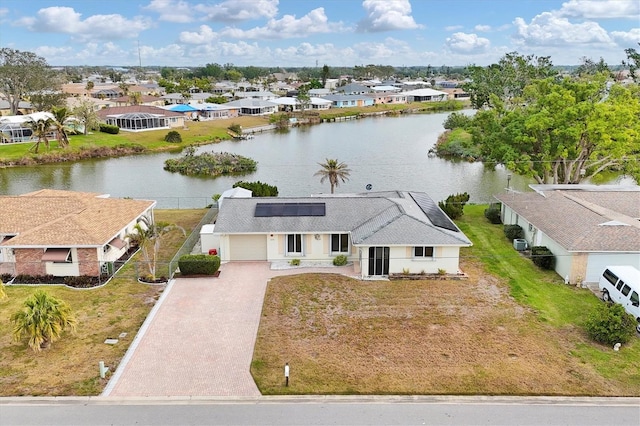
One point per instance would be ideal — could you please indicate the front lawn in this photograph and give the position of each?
(70, 365)
(511, 329)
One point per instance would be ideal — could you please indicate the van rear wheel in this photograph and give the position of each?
(605, 296)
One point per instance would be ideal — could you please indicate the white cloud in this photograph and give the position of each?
(171, 10)
(314, 22)
(385, 15)
(66, 20)
(547, 29)
(239, 10)
(629, 38)
(599, 9)
(203, 36)
(482, 28)
(467, 43)
(3, 11)
(453, 28)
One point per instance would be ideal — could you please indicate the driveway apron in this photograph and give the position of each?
(199, 341)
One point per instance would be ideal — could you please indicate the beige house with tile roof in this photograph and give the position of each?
(65, 233)
(586, 227)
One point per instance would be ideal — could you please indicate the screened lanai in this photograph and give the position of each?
(134, 121)
(14, 132)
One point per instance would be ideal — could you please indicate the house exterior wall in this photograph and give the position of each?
(29, 262)
(578, 268)
(446, 258)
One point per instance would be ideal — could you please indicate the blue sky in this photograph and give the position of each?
(305, 32)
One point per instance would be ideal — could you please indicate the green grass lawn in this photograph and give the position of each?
(70, 365)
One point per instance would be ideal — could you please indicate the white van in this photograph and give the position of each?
(621, 284)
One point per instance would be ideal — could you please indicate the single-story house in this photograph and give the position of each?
(425, 95)
(17, 129)
(388, 98)
(289, 103)
(24, 107)
(586, 227)
(353, 89)
(139, 118)
(346, 101)
(250, 106)
(66, 233)
(256, 94)
(381, 233)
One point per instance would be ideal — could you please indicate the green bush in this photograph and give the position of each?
(340, 260)
(492, 213)
(457, 120)
(513, 231)
(173, 137)
(453, 206)
(108, 128)
(258, 188)
(542, 257)
(610, 324)
(235, 128)
(294, 262)
(198, 264)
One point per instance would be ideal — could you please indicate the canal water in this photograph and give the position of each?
(386, 153)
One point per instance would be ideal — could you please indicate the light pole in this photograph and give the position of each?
(508, 181)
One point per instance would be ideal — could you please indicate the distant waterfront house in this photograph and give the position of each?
(16, 128)
(144, 100)
(425, 95)
(138, 118)
(586, 227)
(254, 106)
(262, 95)
(388, 98)
(24, 107)
(210, 111)
(289, 103)
(381, 233)
(345, 101)
(353, 89)
(456, 93)
(65, 233)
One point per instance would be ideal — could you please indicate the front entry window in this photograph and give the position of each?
(339, 243)
(294, 244)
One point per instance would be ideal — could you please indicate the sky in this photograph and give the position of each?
(306, 33)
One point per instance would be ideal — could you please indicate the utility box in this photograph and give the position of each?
(209, 240)
(520, 244)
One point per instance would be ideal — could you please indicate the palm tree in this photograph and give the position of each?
(42, 318)
(61, 116)
(148, 238)
(334, 171)
(40, 127)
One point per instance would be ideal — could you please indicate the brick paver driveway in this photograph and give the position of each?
(199, 340)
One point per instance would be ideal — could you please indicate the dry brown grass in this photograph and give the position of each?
(343, 336)
(70, 365)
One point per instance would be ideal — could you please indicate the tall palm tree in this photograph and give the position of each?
(61, 116)
(42, 318)
(149, 238)
(41, 127)
(333, 171)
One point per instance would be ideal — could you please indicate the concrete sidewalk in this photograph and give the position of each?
(199, 339)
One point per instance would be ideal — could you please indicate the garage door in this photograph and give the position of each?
(248, 247)
(598, 261)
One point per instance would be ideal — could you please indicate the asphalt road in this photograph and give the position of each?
(332, 410)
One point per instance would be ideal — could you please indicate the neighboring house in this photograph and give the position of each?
(388, 98)
(457, 94)
(127, 100)
(75, 101)
(251, 106)
(381, 233)
(346, 101)
(139, 118)
(425, 95)
(288, 103)
(65, 233)
(586, 227)
(262, 95)
(210, 111)
(23, 107)
(353, 89)
(16, 129)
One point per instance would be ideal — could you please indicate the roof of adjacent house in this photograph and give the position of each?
(425, 92)
(55, 218)
(148, 109)
(389, 218)
(582, 217)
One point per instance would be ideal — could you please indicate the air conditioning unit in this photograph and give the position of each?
(520, 244)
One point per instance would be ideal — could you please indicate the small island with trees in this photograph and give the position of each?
(212, 164)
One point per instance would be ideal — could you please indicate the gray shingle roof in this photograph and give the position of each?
(389, 218)
(582, 220)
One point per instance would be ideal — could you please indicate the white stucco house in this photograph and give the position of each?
(586, 227)
(382, 233)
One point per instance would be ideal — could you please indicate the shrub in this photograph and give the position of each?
(454, 204)
(173, 137)
(457, 120)
(340, 260)
(542, 257)
(513, 231)
(109, 128)
(258, 189)
(610, 324)
(492, 213)
(294, 262)
(235, 128)
(198, 264)
(82, 281)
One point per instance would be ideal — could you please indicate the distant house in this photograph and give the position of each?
(210, 111)
(139, 118)
(388, 98)
(16, 128)
(251, 106)
(346, 101)
(425, 95)
(381, 233)
(144, 100)
(262, 95)
(353, 89)
(65, 233)
(457, 94)
(586, 227)
(288, 103)
(24, 107)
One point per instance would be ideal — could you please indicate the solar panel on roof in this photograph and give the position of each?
(289, 209)
(433, 212)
